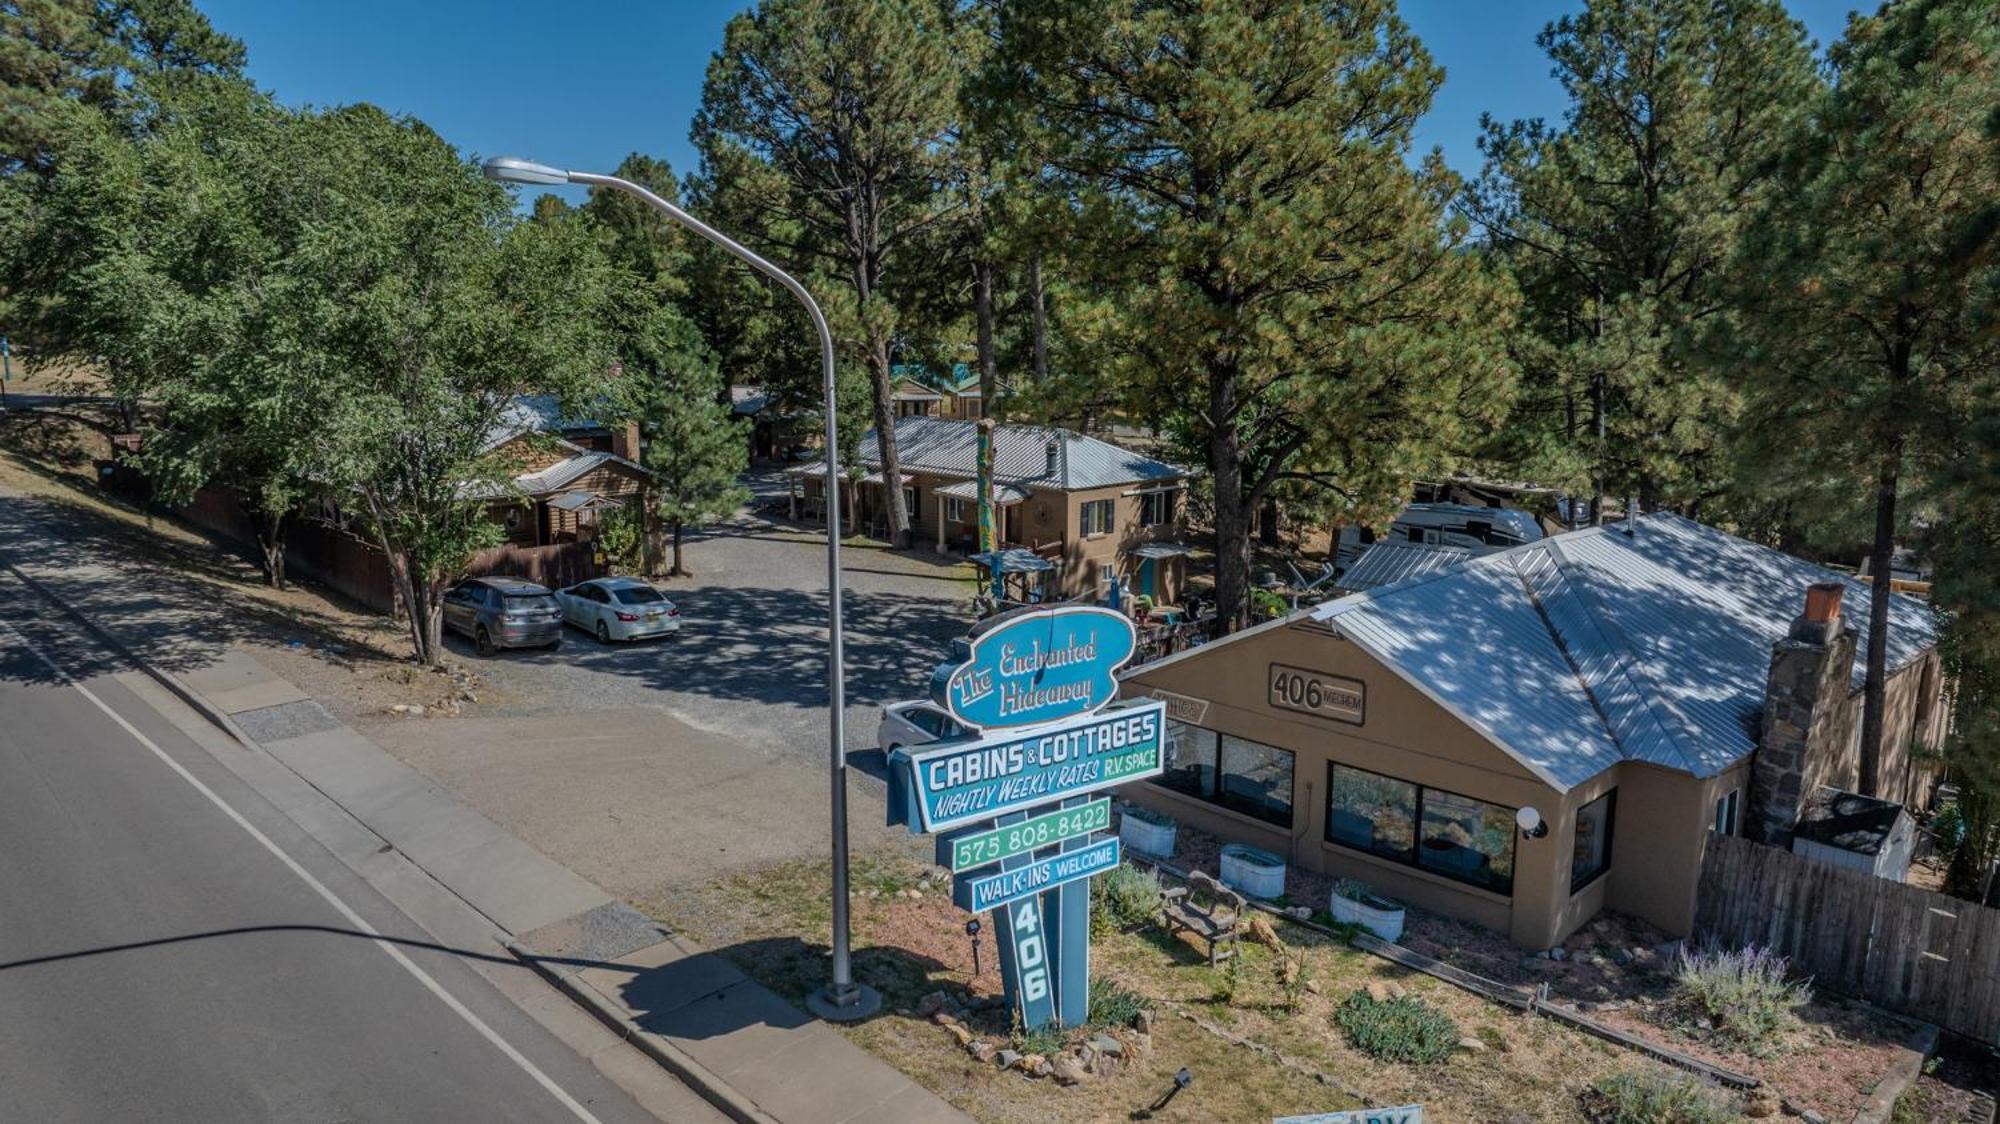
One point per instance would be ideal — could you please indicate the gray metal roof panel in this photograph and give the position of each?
(1473, 640)
(1386, 563)
(1020, 455)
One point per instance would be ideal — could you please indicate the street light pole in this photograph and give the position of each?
(842, 999)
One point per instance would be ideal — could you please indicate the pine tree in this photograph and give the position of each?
(1617, 224)
(1865, 334)
(1291, 301)
(823, 128)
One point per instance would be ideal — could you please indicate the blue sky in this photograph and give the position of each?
(581, 84)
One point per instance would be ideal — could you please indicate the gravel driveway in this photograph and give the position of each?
(750, 659)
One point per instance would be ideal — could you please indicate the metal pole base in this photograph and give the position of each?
(858, 1002)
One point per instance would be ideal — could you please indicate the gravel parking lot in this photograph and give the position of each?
(749, 662)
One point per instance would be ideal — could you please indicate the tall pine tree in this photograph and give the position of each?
(1297, 306)
(1864, 332)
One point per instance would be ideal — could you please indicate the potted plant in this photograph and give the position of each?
(1146, 831)
(1355, 904)
(1252, 870)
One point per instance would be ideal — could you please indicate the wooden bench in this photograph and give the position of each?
(1206, 908)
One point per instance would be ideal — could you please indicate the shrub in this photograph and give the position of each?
(1404, 1029)
(1656, 1095)
(1111, 1005)
(1742, 998)
(1123, 897)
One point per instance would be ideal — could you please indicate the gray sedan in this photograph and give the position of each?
(619, 609)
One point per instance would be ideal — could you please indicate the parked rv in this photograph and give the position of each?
(1479, 529)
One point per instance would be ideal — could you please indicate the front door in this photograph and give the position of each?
(1144, 586)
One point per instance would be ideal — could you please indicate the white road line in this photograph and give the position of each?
(305, 876)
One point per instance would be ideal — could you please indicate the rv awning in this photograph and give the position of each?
(816, 468)
(876, 478)
(1003, 494)
(583, 501)
(1013, 561)
(1159, 550)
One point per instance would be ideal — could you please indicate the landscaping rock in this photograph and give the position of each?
(933, 1003)
(1262, 933)
(1105, 1044)
(1315, 987)
(1760, 1104)
(982, 1050)
(1471, 1045)
(1378, 991)
(1067, 1070)
(1143, 1022)
(1397, 990)
(943, 1018)
(1559, 954)
(1299, 913)
(1035, 1065)
(1008, 1059)
(963, 1035)
(1140, 1043)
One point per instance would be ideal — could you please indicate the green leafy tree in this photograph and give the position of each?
(1617, 225)
(822, 131)
(1864, 334)
(436, 308)
(1294, 303)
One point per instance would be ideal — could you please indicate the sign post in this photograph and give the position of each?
(1016, 797)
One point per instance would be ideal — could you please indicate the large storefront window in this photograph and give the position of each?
(1592, 856)
(1375, 813)
(1463, 839)
(1190, 760)
(1469, 840)
(1239, 774)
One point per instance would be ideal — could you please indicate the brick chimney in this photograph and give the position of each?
(1802, 738)
(625, 440)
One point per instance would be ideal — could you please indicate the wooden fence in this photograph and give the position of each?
(1924, 954)
(553, 566)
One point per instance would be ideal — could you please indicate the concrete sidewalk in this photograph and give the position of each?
(695, 1012)
(747, 1051)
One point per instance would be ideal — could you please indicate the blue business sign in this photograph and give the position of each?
(1036, 665)
(955, 783)
(977, 895)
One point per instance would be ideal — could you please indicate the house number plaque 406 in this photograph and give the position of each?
(1317, 693)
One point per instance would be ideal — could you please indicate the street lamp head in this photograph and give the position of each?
(513, 169)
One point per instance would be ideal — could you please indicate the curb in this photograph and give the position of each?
(696, 1076)
(167, 680)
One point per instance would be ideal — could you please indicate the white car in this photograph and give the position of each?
(914, 723)
(618, 609)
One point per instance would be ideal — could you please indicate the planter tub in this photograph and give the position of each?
(1155, 839)
(1255, 872)
(1379, 916)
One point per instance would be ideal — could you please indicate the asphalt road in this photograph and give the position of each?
(173, 948)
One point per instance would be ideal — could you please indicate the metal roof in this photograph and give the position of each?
(1003, 494)
(1013, 560)
(1022, 454)
(1389, 562)
(1648, 641)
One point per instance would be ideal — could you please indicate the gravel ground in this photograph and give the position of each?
(750, 659)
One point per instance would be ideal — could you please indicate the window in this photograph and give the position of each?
(1372, 812)
(1256, 780)
(910, 503)
(1467, 839)
(1156, 508)
(1239, 774)
(1592, 856)
(1461, 838)
(1097, 517)
(954, 511)
(1190, 763)
(639, 595)
(1725, 813)
(1106, 574)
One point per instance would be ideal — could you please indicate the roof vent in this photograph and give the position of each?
(1631, 517)
(1055, 451)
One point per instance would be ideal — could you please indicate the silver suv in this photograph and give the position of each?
(501, 613)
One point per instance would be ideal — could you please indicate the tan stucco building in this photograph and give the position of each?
(1090, 509)
(1636, 688)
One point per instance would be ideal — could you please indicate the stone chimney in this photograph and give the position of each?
(625, 440)
(1801, 738)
